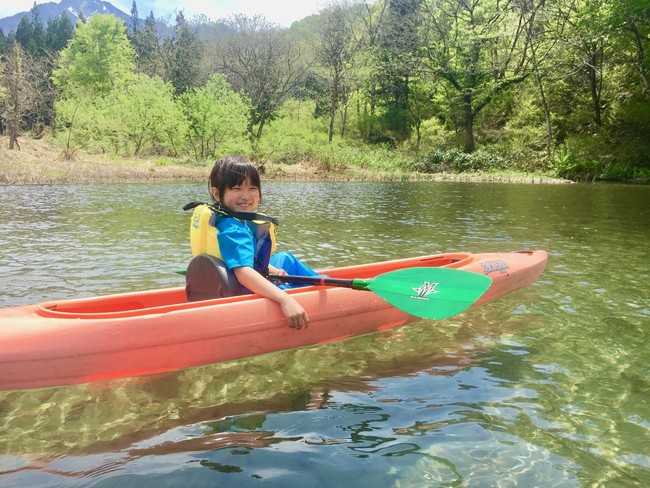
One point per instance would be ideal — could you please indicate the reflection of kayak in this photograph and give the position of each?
(139, 333)
(231, 392)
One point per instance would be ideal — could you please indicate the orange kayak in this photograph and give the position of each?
(140, 333)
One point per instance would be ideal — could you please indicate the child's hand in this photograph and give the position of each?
(295, 314)
(255, 282)
(276, 271)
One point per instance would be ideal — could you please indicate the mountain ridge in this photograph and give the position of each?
(72, 8)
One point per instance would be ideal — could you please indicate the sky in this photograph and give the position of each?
(282, 12)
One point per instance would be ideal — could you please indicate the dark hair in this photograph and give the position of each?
(233, 170)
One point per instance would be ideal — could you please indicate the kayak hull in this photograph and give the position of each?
(141, 333)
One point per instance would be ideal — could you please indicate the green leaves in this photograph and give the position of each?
(98, 58)
(148, 115)
(216, 114)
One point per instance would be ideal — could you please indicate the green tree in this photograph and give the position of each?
(30, 33)
(4, 44)
(134, 23)
(590, 37)
(634, 18)
(147, 49)
(397, 65)
(478, 50)
(216, 114)
(181, 56)
(97, 59)
(144, 38)
(336, 49)
(57, 33)
(24, 33)
(79, 121)
(601, 87)
(145, 117)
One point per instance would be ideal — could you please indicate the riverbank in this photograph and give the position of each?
(42, 162)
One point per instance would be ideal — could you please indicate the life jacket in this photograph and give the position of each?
(203, 232)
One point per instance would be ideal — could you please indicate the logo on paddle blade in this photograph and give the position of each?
(425, 289)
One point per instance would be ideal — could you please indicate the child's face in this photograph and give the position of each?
(242, 198)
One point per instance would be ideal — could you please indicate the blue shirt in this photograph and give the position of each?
(237, 242)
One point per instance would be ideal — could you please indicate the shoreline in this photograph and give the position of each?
(38, 162)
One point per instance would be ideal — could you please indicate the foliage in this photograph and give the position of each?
(389, 125)
(452, 160)
(181, 54)
(261, 63)
(98, 58)
(297, 137)
(148, 120)
(79, 122)
(618, 152)
(147, 50)
(335, 53)
(57, 34)
(216, 114)
(512, 128)
(394, 72)
(478, 51)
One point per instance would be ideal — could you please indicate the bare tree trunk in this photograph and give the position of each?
(631, 26)
(13, 139)
(469, 124)
(547, 114)
(14, 109)
(544, 102)
(344, 118)
(594, 83)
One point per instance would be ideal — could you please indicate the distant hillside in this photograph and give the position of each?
(72, 8)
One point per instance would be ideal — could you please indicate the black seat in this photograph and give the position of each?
(208, 278)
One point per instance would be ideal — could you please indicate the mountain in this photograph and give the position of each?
(73, 9)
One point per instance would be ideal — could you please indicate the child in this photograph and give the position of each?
(245, 245)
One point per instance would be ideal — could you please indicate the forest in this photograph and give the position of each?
(556, 87)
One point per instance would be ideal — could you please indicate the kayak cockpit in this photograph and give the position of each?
(125, 305)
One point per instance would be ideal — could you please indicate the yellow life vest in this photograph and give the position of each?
(203, 231)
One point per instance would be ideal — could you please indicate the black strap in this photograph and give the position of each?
(220, 209)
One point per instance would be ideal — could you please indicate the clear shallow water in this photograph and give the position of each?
(545, 387)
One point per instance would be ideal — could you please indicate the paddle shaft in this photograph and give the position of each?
(356, 284)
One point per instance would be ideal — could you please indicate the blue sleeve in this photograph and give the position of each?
(236, 243)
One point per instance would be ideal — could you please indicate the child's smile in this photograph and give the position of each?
(242, 198)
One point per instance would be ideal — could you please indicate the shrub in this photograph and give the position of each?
(441, 160)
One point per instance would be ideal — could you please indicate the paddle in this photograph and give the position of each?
(430, 293)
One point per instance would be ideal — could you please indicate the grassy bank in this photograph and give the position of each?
(42, 162)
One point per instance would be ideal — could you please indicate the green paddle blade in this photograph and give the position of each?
(430, 293)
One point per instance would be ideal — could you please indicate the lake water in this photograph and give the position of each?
(548, 386)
